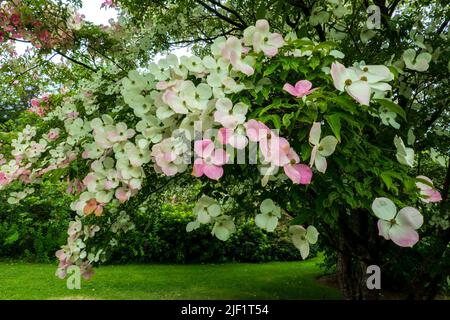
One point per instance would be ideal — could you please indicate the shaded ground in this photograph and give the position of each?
(276, 280)
(332, 282)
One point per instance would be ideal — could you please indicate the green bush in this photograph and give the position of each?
(36, 227)
(161, 237)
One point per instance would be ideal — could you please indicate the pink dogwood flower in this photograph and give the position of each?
(256, 130)
(229, 116)
(234, 137)
(299, 173)
(302, 88)
(35, 102)
(262, 40)
(427, 192)
(53, 134)
(399, 227)
(123, 194)
(107, 4)
(92, 206)
(232, 51)
(210, 160)
(170, 156)
(4, 179)
(275, 149)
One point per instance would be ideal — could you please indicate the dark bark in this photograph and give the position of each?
(306, 10)
(354, 256)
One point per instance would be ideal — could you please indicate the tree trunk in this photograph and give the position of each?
(353, 257)
(352, 277)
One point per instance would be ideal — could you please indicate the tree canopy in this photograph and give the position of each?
(332, 114)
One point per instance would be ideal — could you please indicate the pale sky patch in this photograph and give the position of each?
(93, 13)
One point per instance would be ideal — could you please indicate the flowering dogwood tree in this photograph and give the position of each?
(319, 139)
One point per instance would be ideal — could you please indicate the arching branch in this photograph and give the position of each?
(232, 11)
(221, 16)
(74, 60)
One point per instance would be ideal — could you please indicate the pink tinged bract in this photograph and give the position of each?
(383, 228)
(301, 88)
(174, 102)
(231, 137)
(427, 192)
(238, 141)
(314, 133)
(203, 148)
(224, 135)
(431, 195)
(338, 74)
(169, 169)
(3, 179)
(298, 173)
(201, 168)
(403, 236)
(403, 231)
(399, 227)
(210, 160)
(122, 195)
(256, 130)
(275, 149)
(35, 102)
(409, 216)
(213, 172)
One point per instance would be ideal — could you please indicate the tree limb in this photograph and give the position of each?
(232, 11)
(307, 12)
(74, 60)
(221, 16)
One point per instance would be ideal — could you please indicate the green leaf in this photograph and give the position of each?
(276, 120)
(387, 180)
(306, 151)
(387, 176)
(344, 102)
(270, 69)
(287, 119)
(328, 202)
(334, 121)
(325, 45)
(315, 61)
(392, 107)
(12, 238)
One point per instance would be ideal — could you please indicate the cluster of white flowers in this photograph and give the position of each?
(208, 211)
(175, 103)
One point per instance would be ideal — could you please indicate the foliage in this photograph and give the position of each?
(35, 228)
(161, 237)
(367, 108)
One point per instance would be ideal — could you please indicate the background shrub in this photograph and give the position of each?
(36, 227)
(161, 236)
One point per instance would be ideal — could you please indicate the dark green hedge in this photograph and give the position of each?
(162, 237)
(34, 229)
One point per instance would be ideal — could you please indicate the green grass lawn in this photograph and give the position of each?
(276, 280)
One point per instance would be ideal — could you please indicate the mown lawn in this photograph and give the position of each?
(276, 280)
